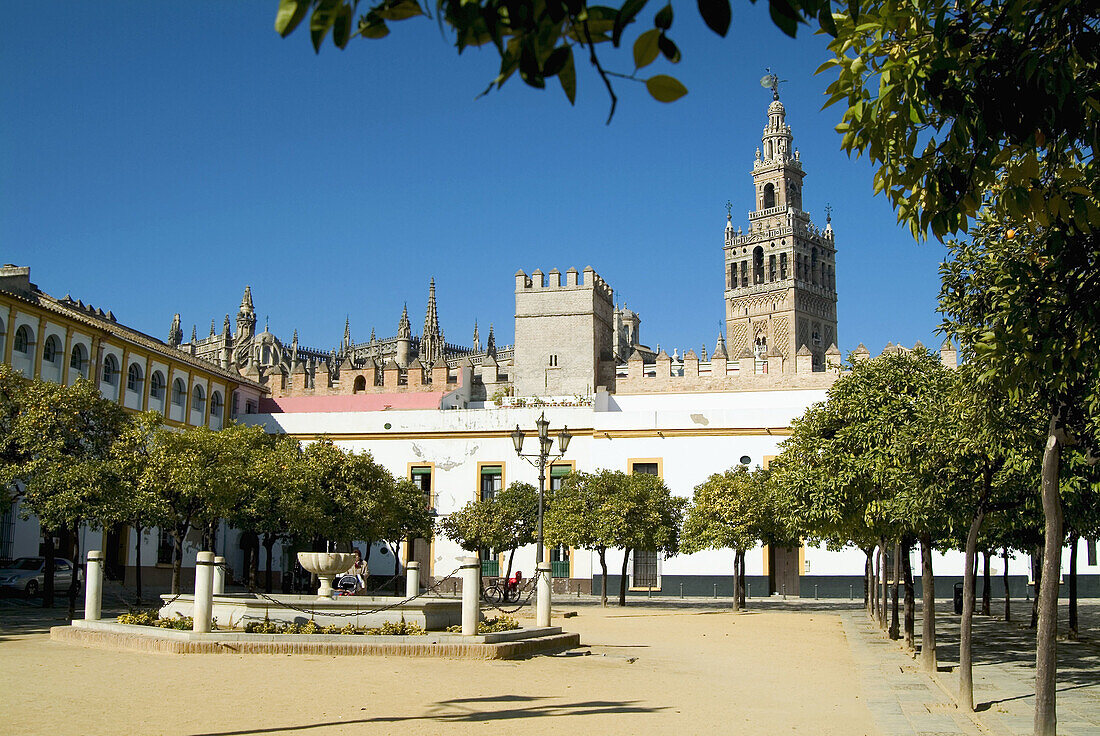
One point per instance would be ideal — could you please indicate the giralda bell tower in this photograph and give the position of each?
(780, 275)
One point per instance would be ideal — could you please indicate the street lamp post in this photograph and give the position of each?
(540, 460)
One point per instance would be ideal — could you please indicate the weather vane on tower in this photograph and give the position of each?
(772, 82)
(729, 210)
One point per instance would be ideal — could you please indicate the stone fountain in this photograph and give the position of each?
(326, 565)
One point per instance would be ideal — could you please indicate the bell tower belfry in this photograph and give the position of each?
(780, 276)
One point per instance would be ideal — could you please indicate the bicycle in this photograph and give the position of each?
(501, 591)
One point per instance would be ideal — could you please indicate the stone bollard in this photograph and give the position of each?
(542, 595)
(219, 576)
(471, 594)
(93, 585)
(412, 579)
(204, 592)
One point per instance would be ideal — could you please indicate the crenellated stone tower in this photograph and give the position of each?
(780, 275)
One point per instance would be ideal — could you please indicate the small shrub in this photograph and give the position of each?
(398, 628)
(490, 625)
(139, 617)
(264, 627)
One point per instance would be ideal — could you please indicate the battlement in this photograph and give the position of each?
(552, 281)
(687, 374)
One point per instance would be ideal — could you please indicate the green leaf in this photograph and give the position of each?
(626, 15)
(825, 18)
(341, 26)
(716, 14)
(321, 21)
(375, 30)
(290, 15)
(646, 48)
(664, 88)
(568, 76)
(401, 10)
(784, 16)
(663, 20)
(668, 48)
(556, 61)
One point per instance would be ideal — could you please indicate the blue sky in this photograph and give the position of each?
(157, 157)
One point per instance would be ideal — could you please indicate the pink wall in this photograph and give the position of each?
(354, 402)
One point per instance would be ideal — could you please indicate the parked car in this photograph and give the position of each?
(27, 575)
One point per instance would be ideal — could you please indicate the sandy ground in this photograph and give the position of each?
(649, 671)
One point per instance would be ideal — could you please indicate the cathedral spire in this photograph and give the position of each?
(212, 332)
(404, 329)
(246, 316)
(477, 339)
(491, 343)
(347, 332)
(175, 334)
(431, 342)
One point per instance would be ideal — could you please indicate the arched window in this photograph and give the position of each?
(758, 265)
(216, 404)
(51, 351)
(78, 361)
(769, 196)
(359, 385)
(156, 386)
(134, 377)
(24, 339)
(813, 266)
(179, 392)
(110, 370)
(198, 400)
(771, 267)
(783, 266)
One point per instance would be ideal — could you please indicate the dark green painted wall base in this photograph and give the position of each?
(830, 586)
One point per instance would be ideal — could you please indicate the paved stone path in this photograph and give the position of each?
(907, 702)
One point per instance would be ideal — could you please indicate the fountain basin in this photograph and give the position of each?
(326, 565)
(237, 609)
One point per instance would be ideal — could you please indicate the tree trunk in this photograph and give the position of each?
(622, 578)
(741, 576)
(1008, 609)
(874, 585)
(736, 579)
(907, 577)
(269, 546)
(974, 592)
(1046, 653)
(47, 582)
(884, 605)
(1072, 633)
(398, 583)
(895, 625)
(511, 556)
(966, 666)
(1037, 577)
(868, 581)
(987, 593)
(928, 606)
(73, 586)
(137, 563)
(177, 558)
(603, 567)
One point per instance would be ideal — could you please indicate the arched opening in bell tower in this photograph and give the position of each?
(758, 265)
(769, 196)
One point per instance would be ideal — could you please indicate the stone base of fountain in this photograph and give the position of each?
(234, 610)
(516, 644)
